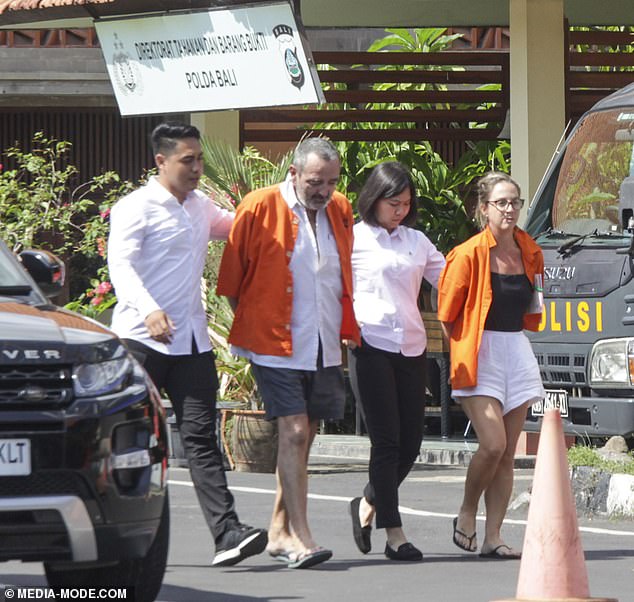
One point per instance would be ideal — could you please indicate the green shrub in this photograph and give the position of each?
(582, 455)
(41, 205)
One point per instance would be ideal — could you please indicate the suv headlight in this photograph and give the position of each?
(103, 377)
(612, 364)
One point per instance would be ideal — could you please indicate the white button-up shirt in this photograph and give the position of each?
(317, 288)
(388, 269)
(156, 255)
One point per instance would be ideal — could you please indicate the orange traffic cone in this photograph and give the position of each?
(553, 566)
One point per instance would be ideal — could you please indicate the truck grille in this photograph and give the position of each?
(35, 387)
(559, 369)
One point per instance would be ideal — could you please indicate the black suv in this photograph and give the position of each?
(83, 442)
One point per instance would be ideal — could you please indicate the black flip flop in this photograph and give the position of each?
(469, 538)
(495, 553)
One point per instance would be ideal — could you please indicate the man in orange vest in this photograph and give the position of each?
(287, 273)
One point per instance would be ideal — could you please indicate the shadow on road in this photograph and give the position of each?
(173, 592)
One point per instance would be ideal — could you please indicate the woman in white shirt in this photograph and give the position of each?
(389, 261)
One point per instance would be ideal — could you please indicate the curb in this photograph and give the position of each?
(597, 492)
(620, 500)
(437, 453)
(444, 457)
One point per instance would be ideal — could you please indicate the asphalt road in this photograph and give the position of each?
(429, 498)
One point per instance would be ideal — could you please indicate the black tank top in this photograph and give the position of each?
(511, 297)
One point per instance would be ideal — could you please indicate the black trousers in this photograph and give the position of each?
(191, 383)
(391, 390)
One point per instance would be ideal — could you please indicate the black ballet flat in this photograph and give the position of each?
(406, 551)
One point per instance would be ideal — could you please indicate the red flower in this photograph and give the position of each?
(105, 213)
(97, 300)
(103, 288)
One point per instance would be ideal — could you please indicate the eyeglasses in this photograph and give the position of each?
(502, 204)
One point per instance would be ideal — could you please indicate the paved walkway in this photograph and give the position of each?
(357, 447)
(444, 452)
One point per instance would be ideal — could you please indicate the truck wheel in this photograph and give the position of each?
(145, 575)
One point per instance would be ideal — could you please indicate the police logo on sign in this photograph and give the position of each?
(284, 35)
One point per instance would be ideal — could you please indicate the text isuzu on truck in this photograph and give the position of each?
(582, 216)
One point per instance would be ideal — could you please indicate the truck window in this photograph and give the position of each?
(595, 187)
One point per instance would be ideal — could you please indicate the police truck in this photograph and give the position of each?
(582, 216)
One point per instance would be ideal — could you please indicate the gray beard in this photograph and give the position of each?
(311, 206)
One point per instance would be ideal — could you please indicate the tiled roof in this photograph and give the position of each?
(22, 11)
(24, 5)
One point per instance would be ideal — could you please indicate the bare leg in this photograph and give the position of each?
(485, 414)
(395, 537)
(498, 493)
(366, 512)
(281, 537)
(296, 434)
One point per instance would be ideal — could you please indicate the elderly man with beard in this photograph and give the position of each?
(287, 272)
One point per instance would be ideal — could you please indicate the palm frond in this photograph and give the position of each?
(230, 173)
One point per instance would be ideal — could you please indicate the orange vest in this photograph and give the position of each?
(465, 296)
(255, 269)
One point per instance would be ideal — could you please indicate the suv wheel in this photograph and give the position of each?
(145, 575)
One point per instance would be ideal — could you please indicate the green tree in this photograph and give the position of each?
(42, 206)
(445, 191)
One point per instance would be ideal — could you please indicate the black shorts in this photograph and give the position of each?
(320, 394)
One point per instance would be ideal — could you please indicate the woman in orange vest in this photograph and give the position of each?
(489, 291)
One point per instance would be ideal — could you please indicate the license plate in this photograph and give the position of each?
(15, 457)
(554, 400)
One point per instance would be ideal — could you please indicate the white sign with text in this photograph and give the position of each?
(206, 61)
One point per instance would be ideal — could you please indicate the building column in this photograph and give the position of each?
(537, 88)
(219, 125)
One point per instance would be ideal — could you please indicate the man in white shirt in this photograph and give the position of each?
(158, 243)
(286, 271)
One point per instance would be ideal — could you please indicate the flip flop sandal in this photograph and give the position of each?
(283, 556)
(497, 555)
(310, 558)
(470, 538)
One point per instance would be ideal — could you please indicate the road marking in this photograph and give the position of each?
(458, 479)
(404, 509)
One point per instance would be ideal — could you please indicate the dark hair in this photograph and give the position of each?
(387, 180)
(165, 136)
(321, 147)
(485, 187)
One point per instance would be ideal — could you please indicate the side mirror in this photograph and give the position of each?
(46, 269)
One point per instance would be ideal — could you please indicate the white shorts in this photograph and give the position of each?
(507, 371)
